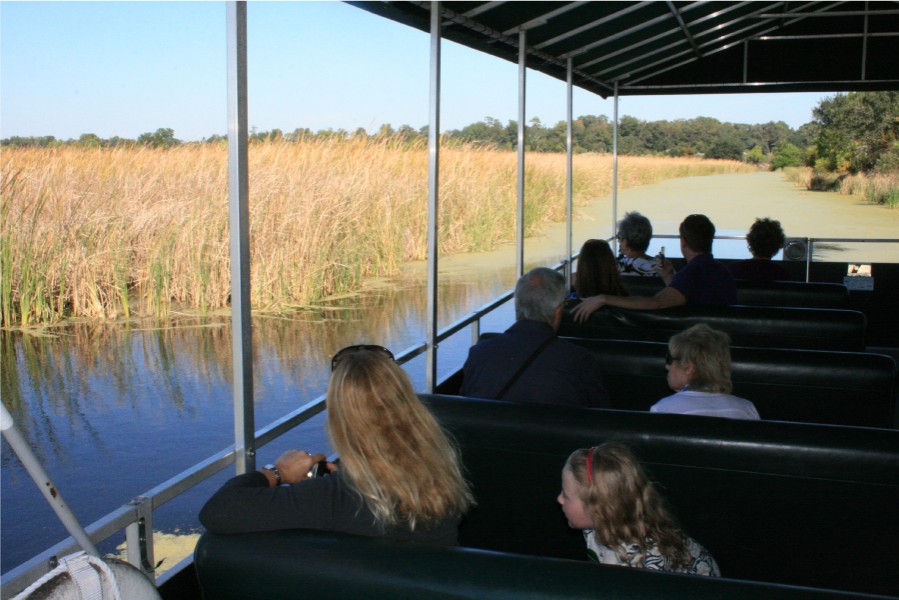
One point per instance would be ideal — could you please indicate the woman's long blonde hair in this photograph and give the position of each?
(624, 505)
(392, 450)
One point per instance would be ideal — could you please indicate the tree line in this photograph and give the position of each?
(849, 133)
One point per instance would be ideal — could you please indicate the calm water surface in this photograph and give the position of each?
(112, 411)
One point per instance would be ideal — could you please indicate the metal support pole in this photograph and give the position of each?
(865, 45)
(569, 168)
(50, 492)
(809, 245)
(139, 538)
(433, 198)
(615, 170)
(522, 87)
(238, 195)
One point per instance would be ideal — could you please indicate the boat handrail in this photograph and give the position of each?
(139, 545)
(128, 517)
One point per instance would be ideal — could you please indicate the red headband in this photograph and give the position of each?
(590, 465)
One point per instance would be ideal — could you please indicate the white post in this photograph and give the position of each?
(433, 198)
(238, 194)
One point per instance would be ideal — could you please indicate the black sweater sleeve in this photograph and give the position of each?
(246, 504)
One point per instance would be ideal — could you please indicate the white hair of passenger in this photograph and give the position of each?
(538, 294)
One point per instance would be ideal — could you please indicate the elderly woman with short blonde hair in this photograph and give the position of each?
(698, 364)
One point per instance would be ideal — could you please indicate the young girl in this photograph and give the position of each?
(606, 493)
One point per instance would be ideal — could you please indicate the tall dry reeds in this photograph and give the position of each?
(876, 188)
(104, 233)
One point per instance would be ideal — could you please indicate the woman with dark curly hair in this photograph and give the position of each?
(625, 521)
(765, 239)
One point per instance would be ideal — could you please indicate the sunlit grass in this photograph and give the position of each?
(880, 188)
(107, 233)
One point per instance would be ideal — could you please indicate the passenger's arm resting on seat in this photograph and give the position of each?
(666, 298)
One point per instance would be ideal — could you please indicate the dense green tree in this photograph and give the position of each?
(35, 142)
(300, 133)
(702, 136)
(164, 137)
(90, 140)
(787, 155)
(855, 130)
(755, 156)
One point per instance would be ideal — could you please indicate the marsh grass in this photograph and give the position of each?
(109, 233)
(879, 188)
(876, 189)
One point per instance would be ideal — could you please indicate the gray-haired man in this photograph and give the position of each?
(528, 362)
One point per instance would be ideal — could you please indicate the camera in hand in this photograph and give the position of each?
(320, 469)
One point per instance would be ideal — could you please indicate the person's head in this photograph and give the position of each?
(765, 238)
(539, 295)
(605, 488)
(597, 271)
(636, 231)
(392, 450)
(697, 233)
(699, 357)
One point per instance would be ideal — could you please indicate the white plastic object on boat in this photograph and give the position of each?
(81, 576)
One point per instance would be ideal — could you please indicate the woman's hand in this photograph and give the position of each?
(294, 465)
(587, 307)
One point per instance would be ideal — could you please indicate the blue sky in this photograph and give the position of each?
(125, 68)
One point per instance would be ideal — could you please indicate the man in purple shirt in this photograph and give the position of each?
(704, 281)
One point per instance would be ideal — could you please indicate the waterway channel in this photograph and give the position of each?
(113, 410)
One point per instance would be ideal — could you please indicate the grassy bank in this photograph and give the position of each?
(876, 189)
(105, 233)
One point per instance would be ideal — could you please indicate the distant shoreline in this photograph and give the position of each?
(731, 201)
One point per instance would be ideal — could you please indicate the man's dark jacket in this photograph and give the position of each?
(562, 374)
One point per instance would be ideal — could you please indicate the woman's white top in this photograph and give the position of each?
(638, 266)
(692, 402)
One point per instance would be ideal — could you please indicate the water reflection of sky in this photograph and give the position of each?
(112, 411)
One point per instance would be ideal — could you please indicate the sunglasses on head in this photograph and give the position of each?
(358, 348)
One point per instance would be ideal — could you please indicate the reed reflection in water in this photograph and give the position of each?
(114, 410)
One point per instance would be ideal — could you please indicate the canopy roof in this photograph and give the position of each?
(666, 47)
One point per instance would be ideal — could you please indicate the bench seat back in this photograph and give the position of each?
(758, 326)
(286, 565)
(795, 294)
(779, 505)
(811, 505)
(808, 386)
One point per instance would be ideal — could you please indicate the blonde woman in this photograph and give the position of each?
(625, 522)
(698, 364)
(399, 475)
